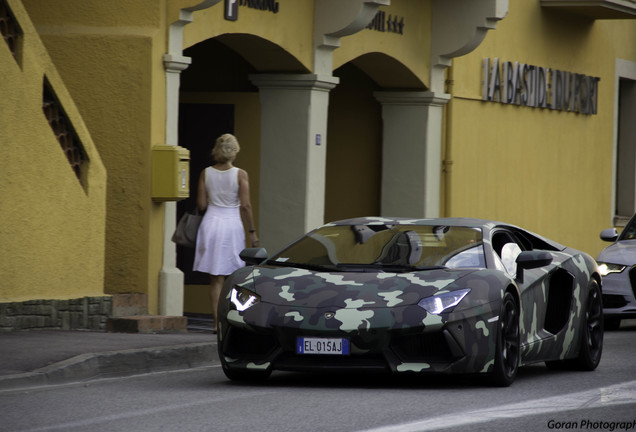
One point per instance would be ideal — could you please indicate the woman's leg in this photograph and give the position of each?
(216, 283)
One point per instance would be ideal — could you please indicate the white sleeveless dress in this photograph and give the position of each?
(221, 236)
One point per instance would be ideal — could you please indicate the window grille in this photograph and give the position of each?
(63, 130)
(9, 28)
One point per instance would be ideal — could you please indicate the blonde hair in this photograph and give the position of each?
(226, 148)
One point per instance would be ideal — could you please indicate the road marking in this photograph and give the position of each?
(618, 394)
(102, 420)
(97, 380)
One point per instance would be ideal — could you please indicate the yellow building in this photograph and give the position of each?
(511, 110)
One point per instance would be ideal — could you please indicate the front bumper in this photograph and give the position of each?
(451, 343)
(619, 294)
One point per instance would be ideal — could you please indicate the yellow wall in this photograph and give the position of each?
(295, 36)
(412, 48)
(107, 53)
(549, 171)
(545, 170)
(52, 229)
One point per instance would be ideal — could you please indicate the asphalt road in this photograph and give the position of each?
(204, 400)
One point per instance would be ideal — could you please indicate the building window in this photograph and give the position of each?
(624, 187)
(64, 132)
(9, 28)
(626, 149)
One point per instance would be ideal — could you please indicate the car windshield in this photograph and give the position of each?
(386, 248)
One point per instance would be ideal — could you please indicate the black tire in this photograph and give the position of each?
(238, 374)
(507, 345)
(591, 330)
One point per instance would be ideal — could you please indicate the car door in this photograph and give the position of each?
(506, 246)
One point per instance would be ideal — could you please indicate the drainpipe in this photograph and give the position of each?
(447, 162)
(458, 28)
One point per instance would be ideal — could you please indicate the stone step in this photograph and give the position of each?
(147, 324)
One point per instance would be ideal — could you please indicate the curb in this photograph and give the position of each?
(113, 364)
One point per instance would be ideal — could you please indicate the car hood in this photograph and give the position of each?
(348, 290)
(622, 252)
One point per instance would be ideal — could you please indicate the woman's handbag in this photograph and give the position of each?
(186, 232)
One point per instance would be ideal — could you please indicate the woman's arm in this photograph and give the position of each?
(246, 206)
(202, 195)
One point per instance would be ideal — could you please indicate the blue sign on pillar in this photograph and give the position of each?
(318, 139)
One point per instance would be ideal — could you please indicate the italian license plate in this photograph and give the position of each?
(314, 345)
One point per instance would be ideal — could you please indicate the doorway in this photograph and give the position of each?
(199, 127)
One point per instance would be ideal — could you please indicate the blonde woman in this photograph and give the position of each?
(224, 194)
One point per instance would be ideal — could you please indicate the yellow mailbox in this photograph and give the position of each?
(170, 173)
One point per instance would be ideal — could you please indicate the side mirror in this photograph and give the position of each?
(253, 256)
(531, 259)
(609, 235)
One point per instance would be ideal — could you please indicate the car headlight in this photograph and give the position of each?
(607, 268)
(439, 303)
(242, 298)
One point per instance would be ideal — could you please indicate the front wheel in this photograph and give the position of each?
(236, 374)
(592, 330)
(507, 345)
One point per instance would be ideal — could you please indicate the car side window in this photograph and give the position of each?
(469, 258)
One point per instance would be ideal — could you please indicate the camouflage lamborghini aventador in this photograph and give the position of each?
(418, 296)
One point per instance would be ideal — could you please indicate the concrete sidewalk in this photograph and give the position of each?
(43, 357)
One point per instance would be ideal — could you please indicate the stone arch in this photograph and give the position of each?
(388, 72)
(224, 63)
(217, 96)
(355, 135)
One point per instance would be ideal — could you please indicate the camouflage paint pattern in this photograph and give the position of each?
(371, 308)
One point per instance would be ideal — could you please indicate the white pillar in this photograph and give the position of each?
(293, 155)
(170, 277)
(411, 153)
